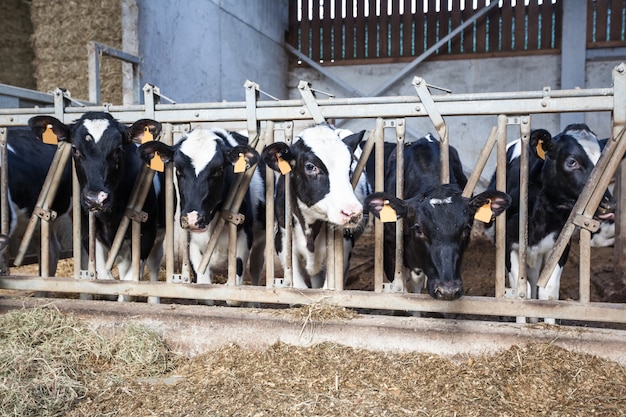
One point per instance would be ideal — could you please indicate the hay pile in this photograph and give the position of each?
(61, 32)
(16, 53)
(51, 364)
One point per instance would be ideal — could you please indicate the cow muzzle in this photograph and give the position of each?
(96, 200)
(606, 209)
(445, 290)
(194, 222)
(351, 218)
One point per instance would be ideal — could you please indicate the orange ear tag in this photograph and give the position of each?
(147, 135)
(240, 165)
(484, 213)
(540, 152)
(49, 137)
(387, 213)
(156, 163)
(283, 166)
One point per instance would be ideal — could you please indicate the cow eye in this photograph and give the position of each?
(311, 169)
(571, 163)
(417, 229)
(76, 152)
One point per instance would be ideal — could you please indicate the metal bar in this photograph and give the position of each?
(584, 266)
(4, 182)
(501, 220)
(379, 185)
(399, 260)
(480, 164)
(572, 310)
(270, 213)
(310, 103)
(440, 125)
(170, 208)
(522, 278)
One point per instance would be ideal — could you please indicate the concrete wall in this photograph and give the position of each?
(524, 73)
(204, 51)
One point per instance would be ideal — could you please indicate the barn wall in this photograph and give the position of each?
(16, 52)
(205, 51)
(524, 73)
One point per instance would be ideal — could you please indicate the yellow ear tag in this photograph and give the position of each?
(156, 163)
(240, 165)
(49, 137)
(484, 213)
(283, 166)
(147, 135)
(387, 213)
(540, 152)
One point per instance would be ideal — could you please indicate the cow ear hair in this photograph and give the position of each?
(147, 150)
(354, 139)
(39, 124)
(543, 139)
(250, 155)
(276, 150)
(375, 202)
(499, 201)
(137, 130)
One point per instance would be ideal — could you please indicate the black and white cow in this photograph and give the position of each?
(107, 165)
(437, 219)
(558, 170)
(28, 162)
(322, 159)
(205, 170)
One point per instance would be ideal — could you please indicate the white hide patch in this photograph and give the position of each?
(517, 149)
(200, 146)
(96, 128)
(437, 201)
(589, 143)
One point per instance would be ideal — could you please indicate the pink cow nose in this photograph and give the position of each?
(352, 217)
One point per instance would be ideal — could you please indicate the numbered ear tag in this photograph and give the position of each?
(156, 163)
(283, 166)
(387, 213)
(484, 213)
(49, 136)
(540, 152)
(147, 135)
(240, 165)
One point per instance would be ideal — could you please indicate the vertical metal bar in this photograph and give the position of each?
(170, 209)
(136, 250)
(288, 264)
(77, 227)
(399, 272)
(93, 67)
(4, 182)
(584, 265)
(501, 220)
(379, 186)
(270, 213)
(523, 208)
(331, 254)
(92, 245)
(232, 254)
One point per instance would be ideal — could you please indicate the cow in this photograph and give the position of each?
(321, 159)
(205, 161)
(107, 164)
(437, 219)
(559, 168)
(28, 162)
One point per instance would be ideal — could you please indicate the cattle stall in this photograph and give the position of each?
(275, 121)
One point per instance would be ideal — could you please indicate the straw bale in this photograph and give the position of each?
(16, 52)
(61, 32)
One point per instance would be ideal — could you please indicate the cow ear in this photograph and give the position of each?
(541, 143)
(272, 154)
(142, 127)
(242, 157)
(148, 149)
(376, 202)
(497, 200)
(39, 124)
(354, 139)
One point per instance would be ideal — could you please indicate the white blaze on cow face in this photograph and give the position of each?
(588, 141)
(339, 205)
(438, 201)
(96, 128)
(200, 146)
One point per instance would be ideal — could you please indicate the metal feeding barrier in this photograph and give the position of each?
(269, 121)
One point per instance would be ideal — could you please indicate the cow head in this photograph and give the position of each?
(569, 159)
(437, 228)
(204, 166)
(320, 159)
(101, 148)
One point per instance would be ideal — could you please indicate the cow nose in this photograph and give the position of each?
(606, 209)
(352, 217)
(447, 290)
(193, 221)
(95, 200)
